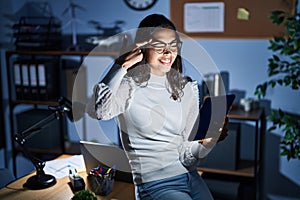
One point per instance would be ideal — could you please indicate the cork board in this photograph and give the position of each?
(247, 19)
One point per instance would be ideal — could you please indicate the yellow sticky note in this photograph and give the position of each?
(243, 14)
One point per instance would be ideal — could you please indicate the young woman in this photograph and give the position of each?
(157, 109)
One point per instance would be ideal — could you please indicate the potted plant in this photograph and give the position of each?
(284, 70)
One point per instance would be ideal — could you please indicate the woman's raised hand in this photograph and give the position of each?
(130, 55)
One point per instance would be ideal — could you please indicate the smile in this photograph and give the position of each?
(166, 61)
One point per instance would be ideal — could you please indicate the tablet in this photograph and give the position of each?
(213, 112)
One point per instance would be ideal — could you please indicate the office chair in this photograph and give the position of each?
(5, 177)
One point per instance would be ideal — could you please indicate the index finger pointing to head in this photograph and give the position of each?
(124, 45)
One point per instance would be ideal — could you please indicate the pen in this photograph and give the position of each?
(107, 172)
(98, 174)
(75, 174)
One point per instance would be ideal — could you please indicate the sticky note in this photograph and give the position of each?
(243, 14)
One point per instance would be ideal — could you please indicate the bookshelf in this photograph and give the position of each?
(44, 89)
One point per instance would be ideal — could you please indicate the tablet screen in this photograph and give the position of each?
(212, 114)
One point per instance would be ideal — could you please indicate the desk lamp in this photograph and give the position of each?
(41, 180)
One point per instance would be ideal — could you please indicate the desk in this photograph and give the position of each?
(61, 190)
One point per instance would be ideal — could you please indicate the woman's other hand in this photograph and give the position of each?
(223, 135)
(131, 55)
(224, 131)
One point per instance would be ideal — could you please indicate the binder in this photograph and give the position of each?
(18, 80)
(36, 79)
(25, 80)
(33, 81)
(42, 82)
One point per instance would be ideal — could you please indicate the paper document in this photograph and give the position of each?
(60, 168)
(204, 17)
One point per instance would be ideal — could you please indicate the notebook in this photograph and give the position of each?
(213, 112)
(106, 155)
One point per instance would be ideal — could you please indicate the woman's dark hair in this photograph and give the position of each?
(141, 72)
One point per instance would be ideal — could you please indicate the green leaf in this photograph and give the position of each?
(276, 58)
(280, 112)
(272, 128)
(272, 83)
(287, 80)
(284, 66)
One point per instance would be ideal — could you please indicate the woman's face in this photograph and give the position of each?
(162, 51)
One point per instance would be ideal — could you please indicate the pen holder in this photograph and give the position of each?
(102, 183)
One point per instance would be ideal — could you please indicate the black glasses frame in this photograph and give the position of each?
(162, 49)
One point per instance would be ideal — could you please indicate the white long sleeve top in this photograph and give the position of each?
(154, 128)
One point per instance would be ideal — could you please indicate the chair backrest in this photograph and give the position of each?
(6, 176)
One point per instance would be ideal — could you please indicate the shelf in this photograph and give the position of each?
(56, 151)
(239, 114)
(50, 103)
(245, 169)
(64, 53)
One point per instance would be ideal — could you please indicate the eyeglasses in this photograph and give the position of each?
(161, 47)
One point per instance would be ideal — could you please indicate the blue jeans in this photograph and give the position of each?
(185, 186)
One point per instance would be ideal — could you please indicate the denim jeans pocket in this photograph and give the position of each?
(160, 189)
